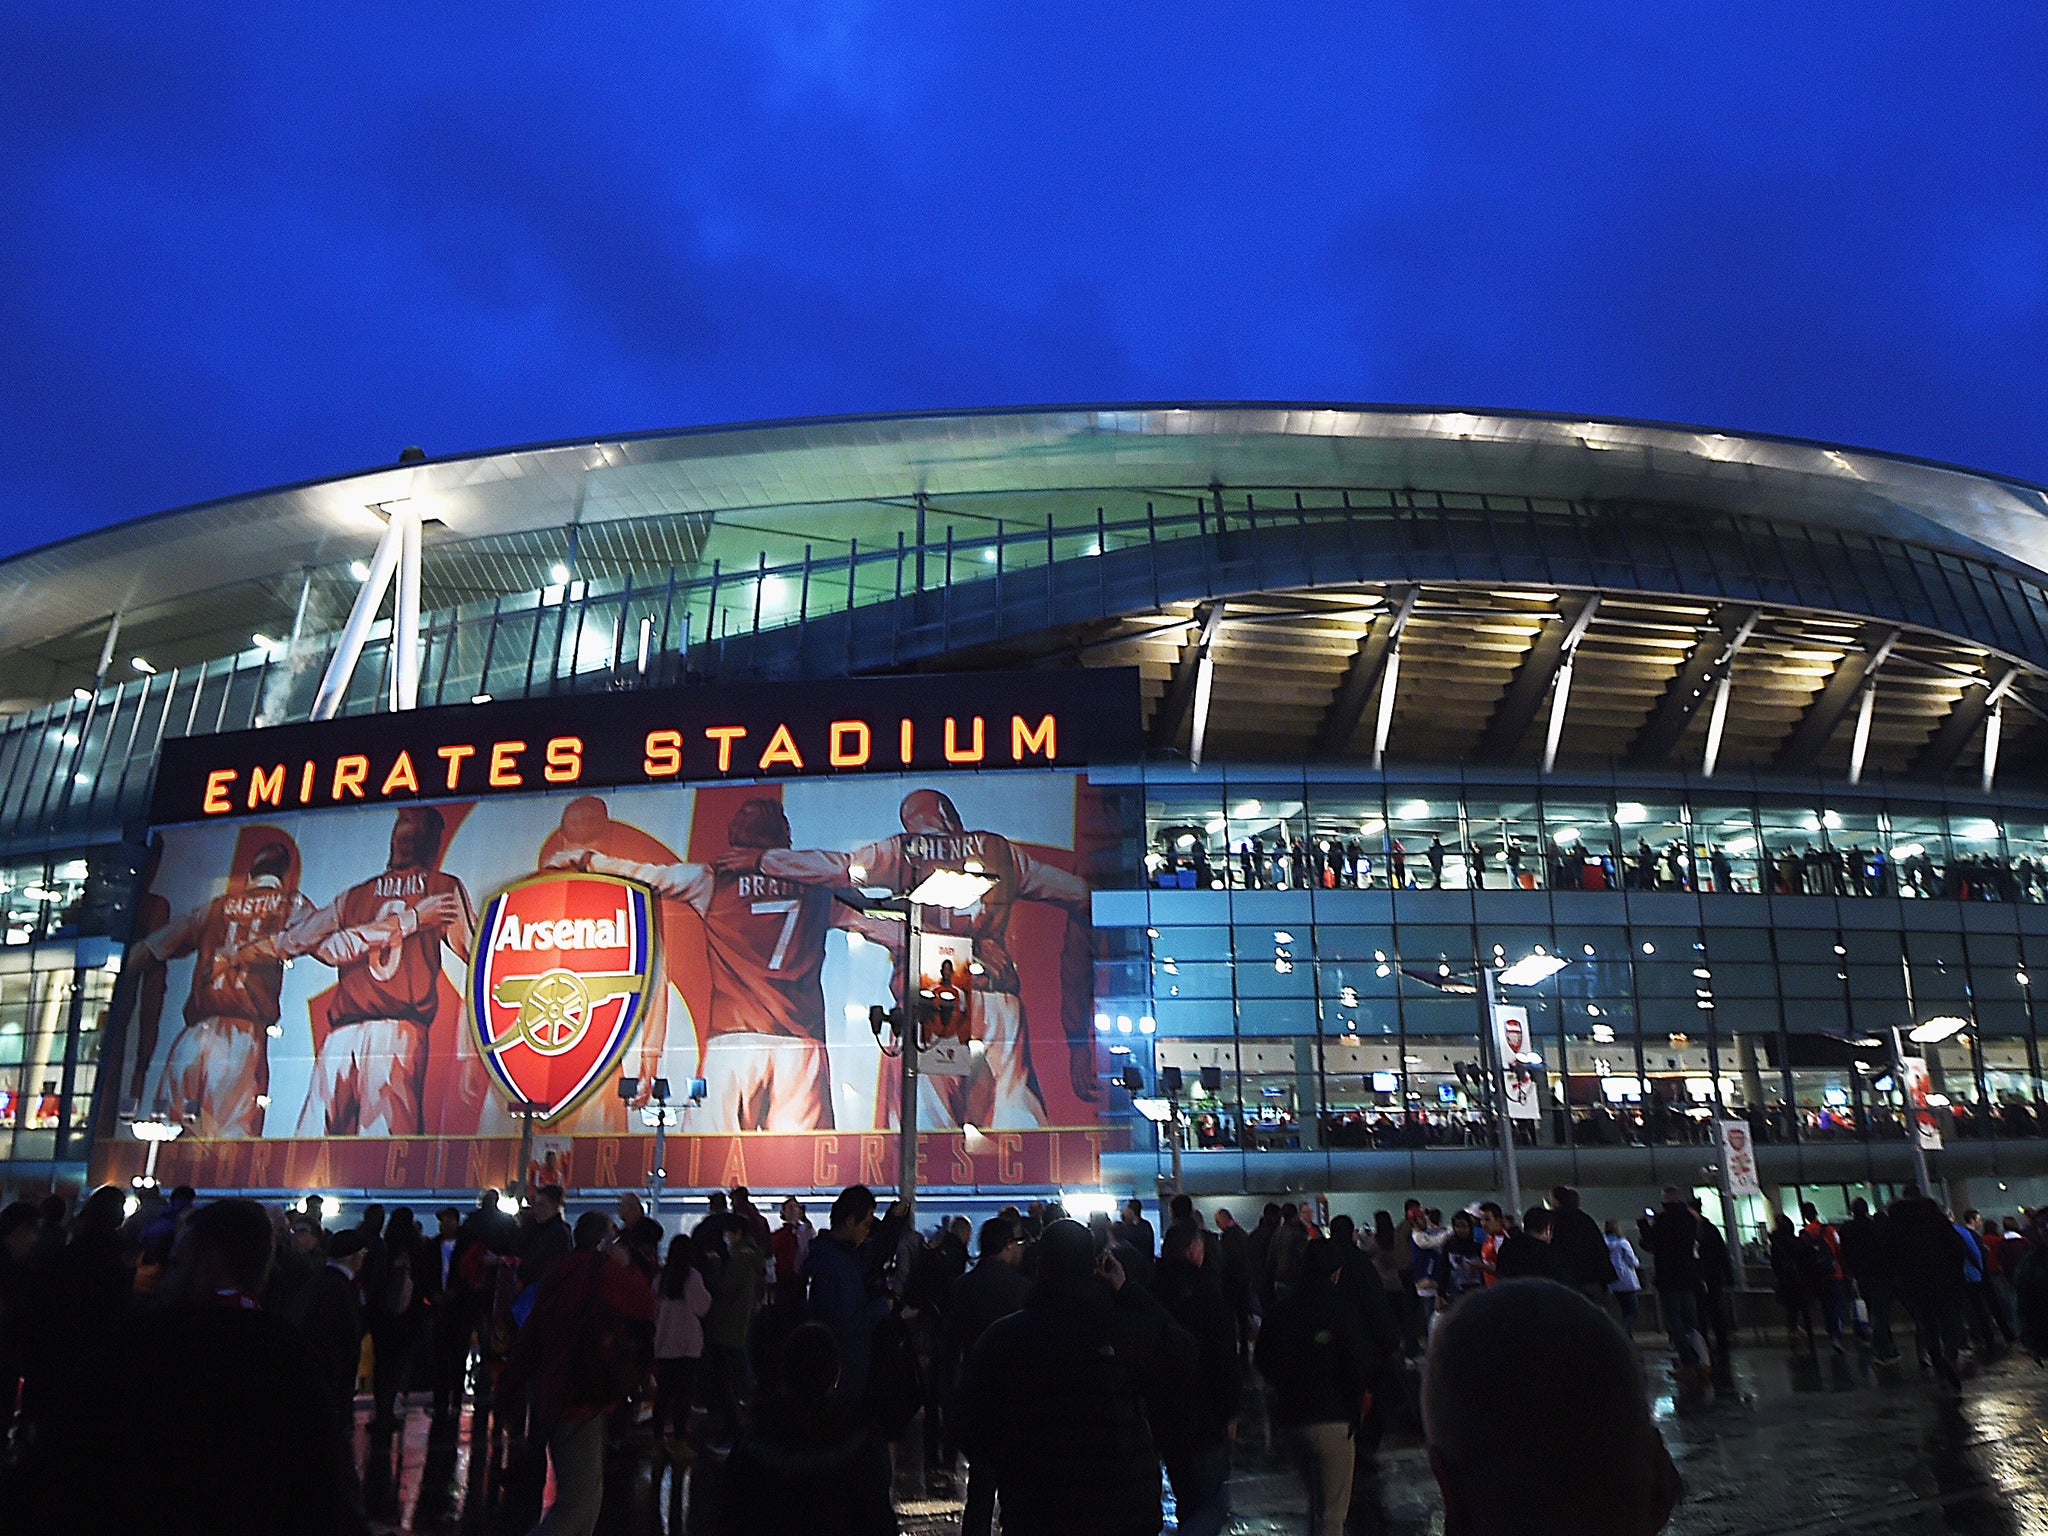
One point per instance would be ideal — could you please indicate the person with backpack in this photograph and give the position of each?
(1061, 1397)
(576, 1358)
(1823, 1253)
(395, 1316)
(810, 1465)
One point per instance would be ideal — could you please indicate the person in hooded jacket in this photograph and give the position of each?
(809, 1465)
(1061, 1398)
(1926, 1254)
(1316, 1356)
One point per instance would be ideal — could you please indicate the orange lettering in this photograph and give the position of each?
(218, 783)
(397, 1153)
(306, 783)
(735, 1163)
(565, 761)
(505, 773)
(855, 756)
(401, 776)
(903, 740)
(725, 736)
(825, 1162)
(1024, 740)
(1010, 1158)
(782, 749)
(955, 753)
(607, 1163)
(453, 757)
(963, 1165)
(266, 788)
(349, 773)
(664, 759)
(872, 1151)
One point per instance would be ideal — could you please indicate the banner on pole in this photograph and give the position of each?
(1738, 1158)
(1918, 1086)
(1522, 1067)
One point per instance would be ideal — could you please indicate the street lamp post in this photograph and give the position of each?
(526, 1111)
(1529, 971)
(953, 889)
(154, 1132)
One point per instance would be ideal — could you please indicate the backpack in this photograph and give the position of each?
(604, 1359)
(1819, 1257)
(895, 1386)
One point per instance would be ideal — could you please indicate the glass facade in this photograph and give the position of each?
(1306, 956)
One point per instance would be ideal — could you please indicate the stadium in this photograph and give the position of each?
(1359, 706)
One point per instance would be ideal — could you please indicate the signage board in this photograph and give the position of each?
(930, 723)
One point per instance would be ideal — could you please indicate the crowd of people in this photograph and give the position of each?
(220, 1350)
(1276, 859)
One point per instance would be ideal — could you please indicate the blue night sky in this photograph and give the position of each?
(247, 245)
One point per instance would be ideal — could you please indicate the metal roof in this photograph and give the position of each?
(183, 554)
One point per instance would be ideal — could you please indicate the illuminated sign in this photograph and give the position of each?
(562, 969)
(941, 722)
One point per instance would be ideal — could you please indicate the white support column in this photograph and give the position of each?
(405, 613)
(1198, 731)
(1388, 683)
(1715, 722)
(1859, 746)
(1560, 697)
(1994, 727)
(107, 651)
(348, 650)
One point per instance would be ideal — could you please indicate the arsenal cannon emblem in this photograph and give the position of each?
(563, 968)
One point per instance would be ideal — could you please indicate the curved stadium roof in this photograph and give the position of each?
(193, 584)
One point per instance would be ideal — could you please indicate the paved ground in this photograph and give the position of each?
(1805, 1448)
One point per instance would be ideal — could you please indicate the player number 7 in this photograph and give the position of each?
(787, 906)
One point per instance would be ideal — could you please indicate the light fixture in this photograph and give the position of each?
(261, 641)
(1531, 969)
(1147, 1024)
(952, 888)
(1413, 810)
(1936, 1029)
(2020, 977)
(479, 698)
(1123, 1023)
(558, 573)
(1248, 808)
(142, 666)
(1158, 1111)
(1649, 948)
(83, 695)
(360, 569)
(1589, 950)
(1841, 949)
(1630, 813)
(1703, 973)
(157, 1129)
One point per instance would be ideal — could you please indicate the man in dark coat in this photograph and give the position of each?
(203, 1412)
(1927, 1255)
(1673, 1241)
(1196, 1439)
(1061, 1397)
(1314, 1353)
(993, 1289)
(1866, 1258)
(1528, 1252)
(330, 1315)
(1234, 1274)
(1581, 1247)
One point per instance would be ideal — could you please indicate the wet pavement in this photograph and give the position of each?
(1803, 1447)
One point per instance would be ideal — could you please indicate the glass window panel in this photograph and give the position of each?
(1264, 825)
(1579, 849)
(1348, 825)
(1191, 978)
(1424, 824)
(1193, 943)
(1725, 840)
(1504, 837)
(1919, 847)
(1856, 832)
(1656, 845)
(1185, 836)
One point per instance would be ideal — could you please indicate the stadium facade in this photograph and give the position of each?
(1352, 705)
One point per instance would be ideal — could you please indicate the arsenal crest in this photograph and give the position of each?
(562, 969)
